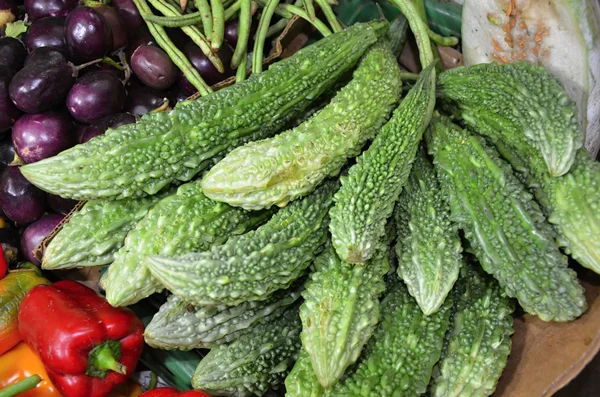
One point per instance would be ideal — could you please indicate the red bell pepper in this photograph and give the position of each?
(87, 346)
(171, 392)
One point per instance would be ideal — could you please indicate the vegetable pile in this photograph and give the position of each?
(330, 226)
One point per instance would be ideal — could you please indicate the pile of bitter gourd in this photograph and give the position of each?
(392, 274)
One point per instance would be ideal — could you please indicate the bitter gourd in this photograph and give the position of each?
(184, 222)
(254, 363)
(504, 225)
(399, 358)
(254, 265)
(302, 381)
(369, 191)
(95, 232)
(340, 311)
(571, 202)
(278, 170)
(428, 245)
(523, 99)
(139, 159)
(179, 325)
(478, 343)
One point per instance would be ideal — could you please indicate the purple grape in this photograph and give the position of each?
(60, 205)
(38, 9)
(153, 67)
(35, 233)
(117, 26)
(177, 94)
(47, 55)
(46, 32)
(142, 100)
(88, 35)
(96, 95)
(8, 12)
(130, 14)
(8, 111)
(12, 53)
(185, 84)
(20, 200)
(202, 64)
(101, 126)
(42, 135)
(40, 87)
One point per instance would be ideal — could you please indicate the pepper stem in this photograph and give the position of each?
(105, 357)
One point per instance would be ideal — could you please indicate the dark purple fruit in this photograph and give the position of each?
(177, 94)
(202, 64)
(96, 95)
(8, 111)
(153, 67)
(20, 200)
(47, 55)
(142, 100)
(184, 84)
(7, 152)
(12, 53)
(61, 205)
(40, 87)
(130, 14)
(8, 12)
(38, 9)
(101, 126)
(102, 67)
(117, 26)
(35, 233)
(87, 34)
(42, 135)
(137, 39)
(46, 32)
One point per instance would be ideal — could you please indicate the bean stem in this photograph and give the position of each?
(240, 74)
(207, 20)
(178, 58)
(441, 40)
(329, 15)
(192, 32)
(232, 10)
(261, 35)
(218, 20)
(245, 20)
(176, 22)
(310, 9)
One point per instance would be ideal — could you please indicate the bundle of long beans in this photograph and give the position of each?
(204, 23)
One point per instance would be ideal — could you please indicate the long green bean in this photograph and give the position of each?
(218, 20)
(261, 35)
(194, 18)
(240, 74)
(207, 20)
(277, 27)
(329, 15)
(178, 58)
(289, 10)
(310, 9)
(232, 10)
(244, 23)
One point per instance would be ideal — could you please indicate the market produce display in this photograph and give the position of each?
(309, 221)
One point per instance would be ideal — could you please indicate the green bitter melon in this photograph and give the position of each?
(140, 159)
(302, 381)
(369, 191)
(278, 170)
(95, 232)
(254, 363)
(428, 244)
(340, 311)
(179, 325)
(478, 343)
(504, 225)
(523, 99)
(254, 265)
(184, 222)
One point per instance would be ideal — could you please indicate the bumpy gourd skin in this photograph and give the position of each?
(302, 381)
(254, 265)
(95, 232)
(278, 170)
(571, 202)
(254, 363)
(139, 159)
(340, 311)
(428, 244)
(478, 342)
(179, 325)
(399, 358)
(526, 100)
(504, 225)
(184, 222)
(368, 194)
